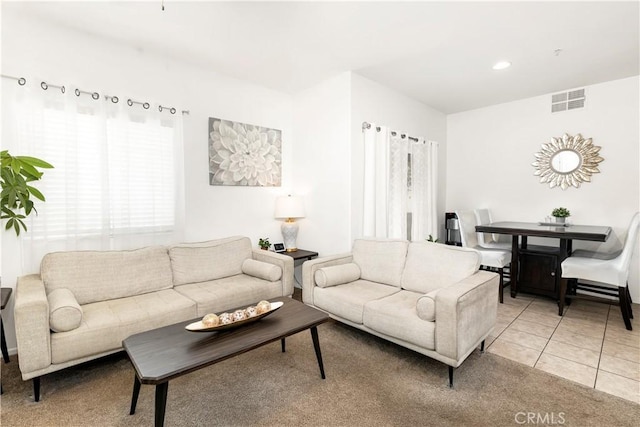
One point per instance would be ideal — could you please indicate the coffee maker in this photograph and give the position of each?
(452, 229)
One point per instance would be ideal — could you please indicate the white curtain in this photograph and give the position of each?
(118, 170)
(400, 185)
(376, 153)
(424, 189)
(397, 194)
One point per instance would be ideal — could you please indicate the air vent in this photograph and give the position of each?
(578, 103)
(567, 100)
(576, 94)
(562, 106)
(559, 97)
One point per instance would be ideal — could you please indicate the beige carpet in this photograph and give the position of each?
(370, 382)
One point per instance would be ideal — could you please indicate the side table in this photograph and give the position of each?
(300, 255)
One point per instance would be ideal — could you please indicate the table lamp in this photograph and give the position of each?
(289, 207)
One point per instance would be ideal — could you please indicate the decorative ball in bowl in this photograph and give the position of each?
(227, 320)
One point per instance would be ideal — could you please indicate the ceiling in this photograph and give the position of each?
(439, 53)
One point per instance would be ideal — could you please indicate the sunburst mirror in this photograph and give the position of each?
(567, 161)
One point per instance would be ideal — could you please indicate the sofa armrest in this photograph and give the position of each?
(31, 317)
(310, 267)
(465, 313)
(285, 262)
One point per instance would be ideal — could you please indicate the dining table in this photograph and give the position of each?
(522, 251)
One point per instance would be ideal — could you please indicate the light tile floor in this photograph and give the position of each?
(589, 344)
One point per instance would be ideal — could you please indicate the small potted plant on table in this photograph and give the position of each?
(560, 214)
(264, 244)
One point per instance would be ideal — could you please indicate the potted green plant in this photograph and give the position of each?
(560, 214)
(264, 244)
(16, 174)
(431, 239)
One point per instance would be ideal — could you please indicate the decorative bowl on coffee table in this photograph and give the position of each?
(200, 327)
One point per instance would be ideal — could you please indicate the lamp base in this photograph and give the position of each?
(289, 230)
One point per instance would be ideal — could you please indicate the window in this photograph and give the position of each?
(116, 167)
(115, 175)
(141, 176)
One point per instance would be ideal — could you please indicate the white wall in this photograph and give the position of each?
(32, 48)
(374, 103)
(490, 151)
(322, 165)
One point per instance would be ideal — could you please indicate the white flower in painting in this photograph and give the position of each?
(241, 154)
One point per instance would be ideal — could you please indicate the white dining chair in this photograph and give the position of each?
(606, 273)
(490, 259)
(489, 240)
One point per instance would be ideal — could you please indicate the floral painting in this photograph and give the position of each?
(243, 154)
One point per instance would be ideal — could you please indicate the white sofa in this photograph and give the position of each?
(425, 296)
(84, 303)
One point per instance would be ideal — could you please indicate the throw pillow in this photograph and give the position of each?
(65, 314)
(337, 275)
(426, 306)
(261, 270)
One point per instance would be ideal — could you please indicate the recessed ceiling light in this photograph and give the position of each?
(502, 65)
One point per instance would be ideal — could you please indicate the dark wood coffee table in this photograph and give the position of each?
(166, 353)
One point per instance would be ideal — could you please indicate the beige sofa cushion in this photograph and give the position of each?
(380, 261)
(395, 316)
(348, 301)
(433, 266)
(216, 296)
(103, 275)
(105, 324)
(65, 314)
(203, 261)
(261, 270)
(337, 275)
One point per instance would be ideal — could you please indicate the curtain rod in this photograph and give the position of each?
(95, 95)
(367, 125)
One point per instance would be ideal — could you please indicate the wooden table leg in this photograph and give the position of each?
(562, 296)
(561, 284)
(283, 345)
(316, 346)
(514, 265)
(134, 396)
(161, 403)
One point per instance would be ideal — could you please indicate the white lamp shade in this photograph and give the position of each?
(289, 207)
